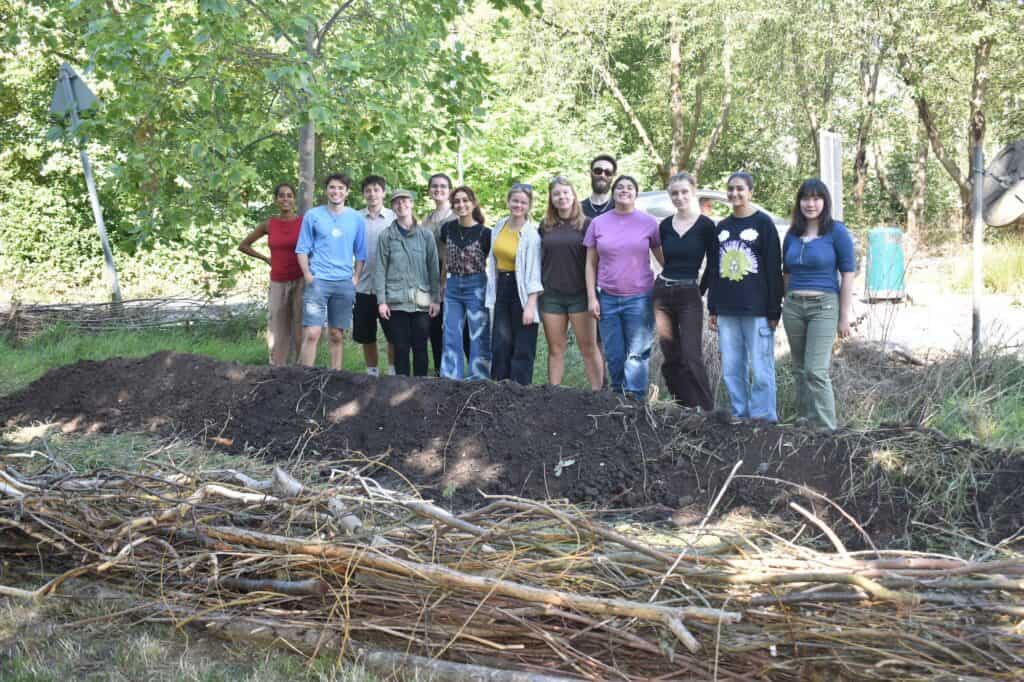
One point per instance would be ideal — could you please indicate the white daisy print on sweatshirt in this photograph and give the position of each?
(737, 261)
(748, 235)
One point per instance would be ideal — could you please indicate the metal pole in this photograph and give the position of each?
(94, 200)
(978, 229)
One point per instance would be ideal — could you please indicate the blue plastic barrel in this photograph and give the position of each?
(885, 264)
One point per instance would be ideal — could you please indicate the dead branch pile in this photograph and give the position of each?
(20, 322)
(339, 565)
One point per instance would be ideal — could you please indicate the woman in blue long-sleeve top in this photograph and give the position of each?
(818, 269)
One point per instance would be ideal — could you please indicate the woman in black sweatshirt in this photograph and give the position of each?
(745, 301)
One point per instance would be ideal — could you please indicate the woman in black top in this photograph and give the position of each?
(563, 274)
(464, 244)
(678, 310)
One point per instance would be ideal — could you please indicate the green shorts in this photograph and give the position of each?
(555, 303)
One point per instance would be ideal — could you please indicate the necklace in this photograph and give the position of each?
(599, 208)
(682, 228)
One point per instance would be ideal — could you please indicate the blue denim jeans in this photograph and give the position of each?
(748, 365)
(464, 301)
(627, 334)
(328, 301)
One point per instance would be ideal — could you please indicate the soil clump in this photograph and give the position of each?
(455, 440)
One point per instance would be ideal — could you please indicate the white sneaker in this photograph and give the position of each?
(391, 370)
(373, 371)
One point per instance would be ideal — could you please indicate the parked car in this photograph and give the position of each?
(713, 203)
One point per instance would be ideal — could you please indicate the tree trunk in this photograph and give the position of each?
(307, 165)
(307, 143)
(869, 73)
(914, 205)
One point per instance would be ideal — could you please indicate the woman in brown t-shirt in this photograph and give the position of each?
(563, 274)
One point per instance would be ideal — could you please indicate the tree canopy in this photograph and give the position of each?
(207, 104)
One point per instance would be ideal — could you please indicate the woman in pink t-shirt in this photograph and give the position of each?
(619, 284)
(284, 320)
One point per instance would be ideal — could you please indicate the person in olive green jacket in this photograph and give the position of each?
(408, 284)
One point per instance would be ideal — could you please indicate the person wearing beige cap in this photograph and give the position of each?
(408, 284)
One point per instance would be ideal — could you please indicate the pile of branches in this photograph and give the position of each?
(327, 562)
(21, 322)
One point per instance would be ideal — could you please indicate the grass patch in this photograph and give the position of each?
(42, 643)
(1003, 269)
(241, 339)
(983, 400)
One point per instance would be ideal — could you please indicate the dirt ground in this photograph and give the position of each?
(456, 441)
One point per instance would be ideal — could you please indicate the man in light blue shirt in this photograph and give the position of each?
(331, 251)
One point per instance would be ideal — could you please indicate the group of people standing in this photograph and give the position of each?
(479, 295)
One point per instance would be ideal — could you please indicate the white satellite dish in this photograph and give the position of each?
(1002, 188)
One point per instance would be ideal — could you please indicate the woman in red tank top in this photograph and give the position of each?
(284, 320)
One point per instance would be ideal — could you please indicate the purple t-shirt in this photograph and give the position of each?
(623, 244)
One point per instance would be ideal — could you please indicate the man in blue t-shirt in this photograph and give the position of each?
(332, 236)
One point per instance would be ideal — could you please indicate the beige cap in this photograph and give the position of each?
(401, 194)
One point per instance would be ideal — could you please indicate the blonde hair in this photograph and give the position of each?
(688, 179)
(551, 217)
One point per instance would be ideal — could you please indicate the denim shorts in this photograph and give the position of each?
(328, 301)
(555, 303)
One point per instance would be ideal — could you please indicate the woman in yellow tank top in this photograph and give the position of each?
(513, 287)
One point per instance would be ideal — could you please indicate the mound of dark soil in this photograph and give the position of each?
(455, 439)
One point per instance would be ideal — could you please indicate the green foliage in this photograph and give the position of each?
(202, 104)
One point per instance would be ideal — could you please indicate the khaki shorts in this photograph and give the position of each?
(284, 319)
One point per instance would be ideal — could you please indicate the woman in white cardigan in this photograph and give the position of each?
(513, 287)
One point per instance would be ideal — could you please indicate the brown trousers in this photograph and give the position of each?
(679, 324)
(284, 320)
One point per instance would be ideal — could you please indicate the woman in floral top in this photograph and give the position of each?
(464, 245)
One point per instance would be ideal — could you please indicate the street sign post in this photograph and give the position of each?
(71, 96)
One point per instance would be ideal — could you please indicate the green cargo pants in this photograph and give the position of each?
(811, 323)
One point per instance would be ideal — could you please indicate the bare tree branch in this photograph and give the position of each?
(273, 22)
(322, 33)
(695, 114)
(262, 138)
(675, 68)
(612, 84)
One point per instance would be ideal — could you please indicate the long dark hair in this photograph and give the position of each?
(812, 187)
(478, 214)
